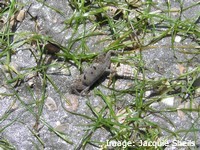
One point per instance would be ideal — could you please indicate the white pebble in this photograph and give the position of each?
(177, 39)
(168, 101)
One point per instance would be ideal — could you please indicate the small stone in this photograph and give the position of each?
(177, 39)
(155, 104)
(181, 68)
(71, 102)
(51, 104)
(111, 11)
(197, 91)
(31, 84)
(14, 106)
(168, 101)
(147, 93)
(51, 48)
(30, 79)
(20, 16)
(156, 12)
(196, 83)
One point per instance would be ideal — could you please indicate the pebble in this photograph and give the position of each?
(71, 102)
(20, 16)
(177, 39)
(168, 101)
(51, 48)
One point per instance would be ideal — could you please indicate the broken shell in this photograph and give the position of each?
(60, 127)
(71, 102)
(51, 104)
(111, 10)
(20, 15)
(31, 79)
(51, 48)
(31, 83)
(121, 115)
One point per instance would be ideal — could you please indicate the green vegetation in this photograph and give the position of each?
(133, 27)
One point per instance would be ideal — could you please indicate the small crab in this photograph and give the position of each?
(94, 72)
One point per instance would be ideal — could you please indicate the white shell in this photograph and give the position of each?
(51, 104)
(121, 115)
